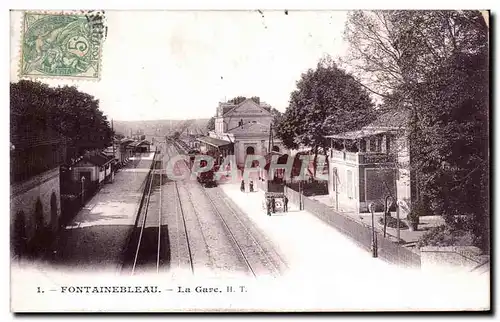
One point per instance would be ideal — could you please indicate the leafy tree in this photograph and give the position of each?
(277, 115)
(327, 100)
(73, 114)
(256, 99)
(238, 99)
(211, 124)
(390, 48)
(453, 140)
(433, 64)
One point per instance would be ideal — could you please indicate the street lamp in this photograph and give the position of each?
(371, 207)
(83, 190)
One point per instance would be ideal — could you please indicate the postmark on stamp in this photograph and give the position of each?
(61, 45)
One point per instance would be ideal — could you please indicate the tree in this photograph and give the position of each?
(239, 99)
(73, 114)
(256, 99)
(327, 100)
(454, 140)
(277, 115)
(433, 64)
(390, 48)
(211, 124)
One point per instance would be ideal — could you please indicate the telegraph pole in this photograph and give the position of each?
(114, 156)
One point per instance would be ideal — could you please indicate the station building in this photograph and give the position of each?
(240, 130)
(370, 164)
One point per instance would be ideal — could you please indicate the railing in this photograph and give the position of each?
(362, 157)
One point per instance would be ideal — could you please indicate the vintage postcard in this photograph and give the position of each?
(249, 161)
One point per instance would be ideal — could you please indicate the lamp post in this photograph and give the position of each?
(371, 207)
(83, 190)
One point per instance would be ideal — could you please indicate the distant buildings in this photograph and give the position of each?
(241, 129)
(94, 169)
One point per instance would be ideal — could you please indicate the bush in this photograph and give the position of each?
(393, 222)
(445, 236)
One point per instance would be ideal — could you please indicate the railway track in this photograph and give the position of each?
(183, 252)
(148, 244)
(258, 259)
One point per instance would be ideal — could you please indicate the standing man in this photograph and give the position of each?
(273, 204)
(285, 203)
(242, 186)
(268, 206)
(251, 186)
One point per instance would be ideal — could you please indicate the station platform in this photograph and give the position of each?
(96, 237)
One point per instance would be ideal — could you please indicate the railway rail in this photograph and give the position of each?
(185, 253)
(258, 259)
(146, 245)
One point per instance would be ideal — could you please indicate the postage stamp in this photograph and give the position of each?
(62, 45)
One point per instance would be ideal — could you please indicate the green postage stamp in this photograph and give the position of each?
(62, 45)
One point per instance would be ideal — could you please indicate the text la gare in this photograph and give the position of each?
(202, 289)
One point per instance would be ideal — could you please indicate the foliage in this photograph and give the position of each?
(392, 222)
(391, 48)
(73, 114)
(445, 235)
(211, 124)
(239, 99)
(327, 100)
(435, 65)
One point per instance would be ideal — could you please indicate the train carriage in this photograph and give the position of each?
(206, 177)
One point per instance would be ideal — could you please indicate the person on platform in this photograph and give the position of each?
(268, 206)
(285, 204)
(273, 205)
(251, 186)
(242, 186)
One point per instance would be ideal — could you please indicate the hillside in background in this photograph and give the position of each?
(160, 128)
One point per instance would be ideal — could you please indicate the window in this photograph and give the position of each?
(373, 144)
(250, 150)
(362, 145)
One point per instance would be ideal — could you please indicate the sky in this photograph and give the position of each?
(180, 64)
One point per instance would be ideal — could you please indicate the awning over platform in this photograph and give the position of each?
(356, 134)
(213, 141)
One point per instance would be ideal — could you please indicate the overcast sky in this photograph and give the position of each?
(180, 64)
